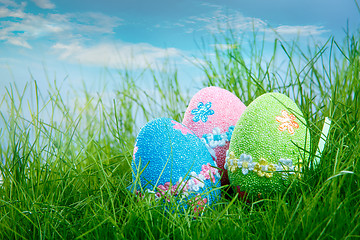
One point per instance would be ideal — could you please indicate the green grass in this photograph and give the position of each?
(65, 177)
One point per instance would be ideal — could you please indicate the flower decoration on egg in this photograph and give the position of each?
(202, 112)
(246, 163)
(217, 138)
(198, 204)
(263, 168)
(230, 161)
(193, 185)
(209, 172)
(287, 122)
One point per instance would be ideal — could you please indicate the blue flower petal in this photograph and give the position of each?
(202, 112)
(208, 105)
(204, 118)
(210, 112)
(196, 118)
(194, 111)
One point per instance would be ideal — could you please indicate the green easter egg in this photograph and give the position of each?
(269, 144)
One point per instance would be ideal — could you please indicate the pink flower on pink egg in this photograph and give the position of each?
(178, 126)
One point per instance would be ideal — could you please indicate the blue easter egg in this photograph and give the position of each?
(170, 160)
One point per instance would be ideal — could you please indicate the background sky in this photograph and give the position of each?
(76, 42)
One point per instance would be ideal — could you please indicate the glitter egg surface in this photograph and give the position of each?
(170, 160)
(212, 115)
(267, 147)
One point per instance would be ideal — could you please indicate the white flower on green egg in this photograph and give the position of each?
(286, 167)
(246, 163)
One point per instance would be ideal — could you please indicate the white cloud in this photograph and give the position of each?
(45, 4)
(11, 3)
(120, 55)
(307, 30)
(18, 42)
(219, 20)
(5, 12)
(94, 22)
(236, 22)
(28, 26)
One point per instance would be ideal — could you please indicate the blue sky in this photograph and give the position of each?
(73, 41)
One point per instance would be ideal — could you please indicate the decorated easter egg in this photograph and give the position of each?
(269, 144)
(169, 160)
(212, 114)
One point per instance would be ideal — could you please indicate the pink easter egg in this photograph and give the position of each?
(212, 115)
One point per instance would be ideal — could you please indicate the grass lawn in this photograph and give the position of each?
(65, 177)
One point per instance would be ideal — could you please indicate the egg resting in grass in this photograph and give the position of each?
(212, 114)
(268, 147)
(169, 160)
